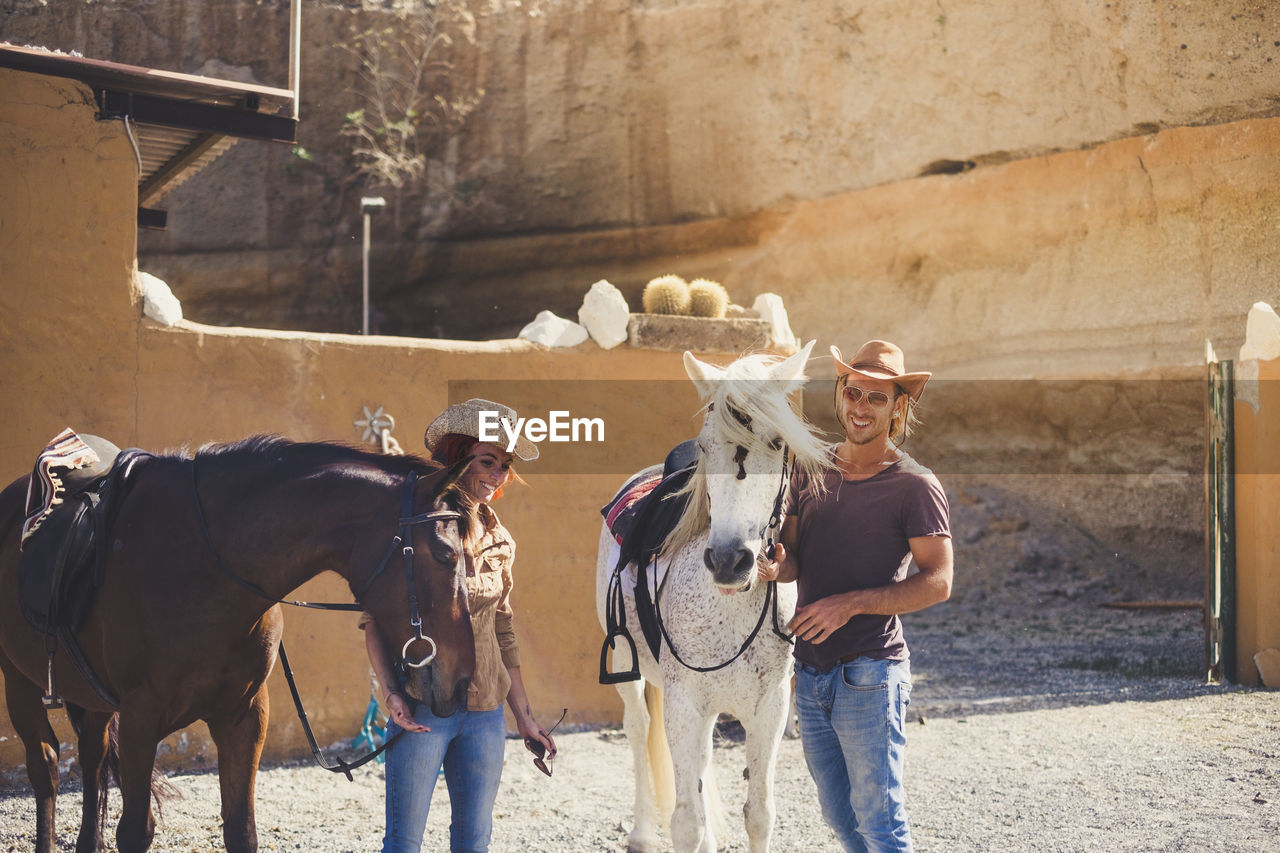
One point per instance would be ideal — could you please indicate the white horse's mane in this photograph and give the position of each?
(746, 389)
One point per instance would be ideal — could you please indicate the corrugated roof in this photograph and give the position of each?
(178, 122)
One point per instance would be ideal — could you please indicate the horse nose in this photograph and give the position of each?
(728, 565)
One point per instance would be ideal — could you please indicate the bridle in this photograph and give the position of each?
(769, 532)
(773, 527)
(403, 540)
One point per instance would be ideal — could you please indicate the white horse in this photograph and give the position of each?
(711, 602)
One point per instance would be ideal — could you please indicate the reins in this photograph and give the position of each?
(402, 540)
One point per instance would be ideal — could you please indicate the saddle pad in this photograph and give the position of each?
(620, 513)
(66, 452)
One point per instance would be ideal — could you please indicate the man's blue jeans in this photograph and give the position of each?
(470, 746)
(851, 723)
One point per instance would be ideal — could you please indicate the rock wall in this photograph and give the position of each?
(622, 124)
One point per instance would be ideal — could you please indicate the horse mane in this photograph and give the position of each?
(746, 390)
(316, 454)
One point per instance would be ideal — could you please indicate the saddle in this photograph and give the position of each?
(641, 517)
(78, 483)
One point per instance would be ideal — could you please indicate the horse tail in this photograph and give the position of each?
(162, 791)
(110, 767)
(661, 768)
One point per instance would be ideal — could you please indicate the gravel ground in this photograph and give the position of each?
(1040, 721)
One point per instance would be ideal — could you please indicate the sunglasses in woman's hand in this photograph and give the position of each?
(539, 750)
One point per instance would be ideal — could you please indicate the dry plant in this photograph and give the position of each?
(408, 108)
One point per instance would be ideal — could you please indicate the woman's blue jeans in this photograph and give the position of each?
(851, 723)
(470, 746)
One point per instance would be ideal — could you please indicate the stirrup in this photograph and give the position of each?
(632, 674)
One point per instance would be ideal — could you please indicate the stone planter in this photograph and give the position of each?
(699, 334)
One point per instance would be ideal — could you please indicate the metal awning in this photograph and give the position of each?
(178, 122)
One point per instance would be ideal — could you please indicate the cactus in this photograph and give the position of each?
(707, 298)
(666, 294)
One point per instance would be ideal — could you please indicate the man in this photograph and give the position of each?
(848, 548)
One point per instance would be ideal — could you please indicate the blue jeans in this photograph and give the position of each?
(470, 746)
(851, 723)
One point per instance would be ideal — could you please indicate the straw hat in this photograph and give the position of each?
(464, 419)
(882, 360)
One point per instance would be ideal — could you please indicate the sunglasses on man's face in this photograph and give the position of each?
(536, 747)
(877, 399)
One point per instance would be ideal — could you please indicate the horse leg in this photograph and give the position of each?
(689, 733)
(138, 741)
(31, 722)
(764, 732)
(239, 736)
(635, 722)
(92, 730)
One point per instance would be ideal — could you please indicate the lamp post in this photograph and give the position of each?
(369, 205)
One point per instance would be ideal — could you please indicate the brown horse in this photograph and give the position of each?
(176, 640)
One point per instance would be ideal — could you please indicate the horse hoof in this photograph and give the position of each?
(642, 845)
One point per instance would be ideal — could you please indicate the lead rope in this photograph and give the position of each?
(775, 529)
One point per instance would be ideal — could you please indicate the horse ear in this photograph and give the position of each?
(704, 375)
(791, 370)
(455, 473)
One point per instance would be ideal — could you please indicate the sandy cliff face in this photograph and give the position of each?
(644, 113)
(614, 118)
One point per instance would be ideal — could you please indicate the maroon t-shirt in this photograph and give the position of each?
(856, 537)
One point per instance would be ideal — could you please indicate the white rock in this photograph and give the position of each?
(605, 313)
(552, 331)
(1262, 334)
(158, 301)
(769, 307)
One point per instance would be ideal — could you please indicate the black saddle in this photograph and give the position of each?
(643, 528)
(62, 562)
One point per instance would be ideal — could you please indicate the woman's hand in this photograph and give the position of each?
(531, 731)
(399, 709)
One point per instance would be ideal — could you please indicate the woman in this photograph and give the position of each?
(470, 743)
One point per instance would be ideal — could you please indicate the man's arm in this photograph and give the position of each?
(932, 584)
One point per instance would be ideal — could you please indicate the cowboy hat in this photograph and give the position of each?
(882, 360)
(464, 419)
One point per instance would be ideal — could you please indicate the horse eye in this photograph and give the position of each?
(776, 444)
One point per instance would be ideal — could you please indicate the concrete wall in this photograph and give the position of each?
(1257, 483)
